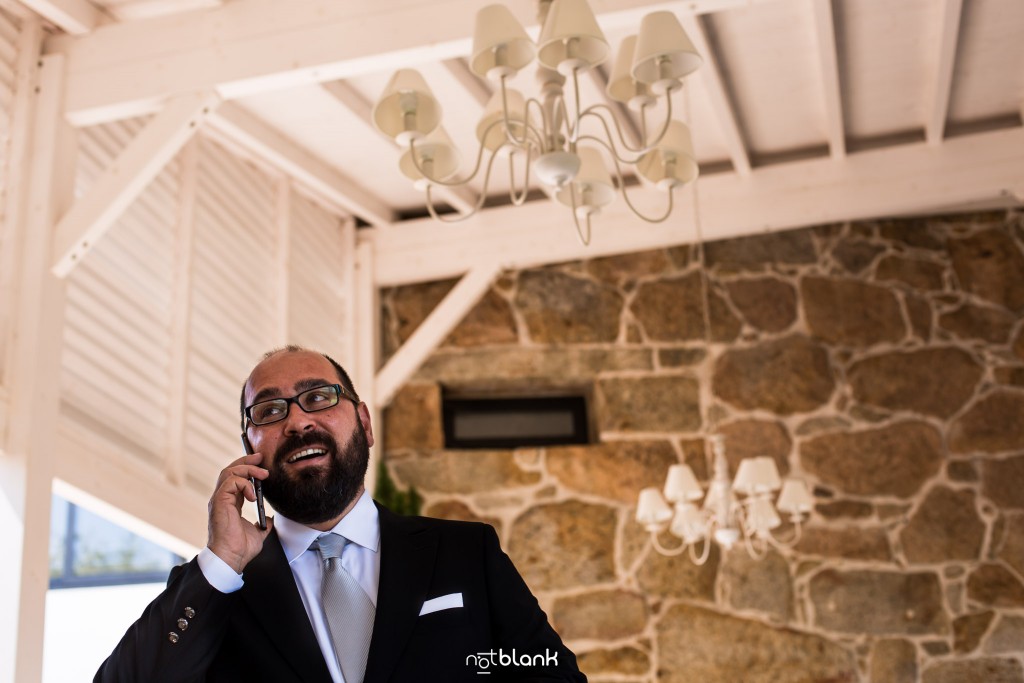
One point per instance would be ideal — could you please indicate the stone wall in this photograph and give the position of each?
(881, 361)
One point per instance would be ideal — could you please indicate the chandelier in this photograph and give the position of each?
(554, 137)
(742, 509)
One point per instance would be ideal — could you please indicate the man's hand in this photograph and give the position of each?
(233, 538)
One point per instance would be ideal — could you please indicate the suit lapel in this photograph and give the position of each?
(408, 550)
(274, 599)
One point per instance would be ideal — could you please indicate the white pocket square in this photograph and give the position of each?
(449, 601)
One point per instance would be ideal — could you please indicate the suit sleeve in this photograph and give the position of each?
(189, 608)
(519, 623)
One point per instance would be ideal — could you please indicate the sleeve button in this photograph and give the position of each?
(189, 612)
(173, 637)
(183, 624)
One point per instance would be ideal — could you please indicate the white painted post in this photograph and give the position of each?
(28, 461)
(366, 302)
(282, 259)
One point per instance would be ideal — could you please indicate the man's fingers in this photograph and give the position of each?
(242, 470)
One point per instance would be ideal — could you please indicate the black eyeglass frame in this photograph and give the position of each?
(341, 391)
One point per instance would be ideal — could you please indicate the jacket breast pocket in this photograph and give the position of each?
(442, 620)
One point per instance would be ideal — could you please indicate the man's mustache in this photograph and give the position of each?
(296, 442)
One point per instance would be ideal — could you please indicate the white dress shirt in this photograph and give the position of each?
(361, 559)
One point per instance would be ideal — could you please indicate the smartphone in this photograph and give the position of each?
(257, 486)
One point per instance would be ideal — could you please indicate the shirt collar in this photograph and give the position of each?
(360, 526)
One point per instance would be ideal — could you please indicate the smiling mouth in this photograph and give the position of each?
(306, 455)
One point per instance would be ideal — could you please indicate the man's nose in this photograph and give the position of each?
(297, 420)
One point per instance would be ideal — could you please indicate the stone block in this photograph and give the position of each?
(1018, 344)
(411, 304)
(678, 358)
(624, 661)
(613, 469)
(562, 309)
(996, 586)
(851, 312)
(763, 585)
(917, 273)
(786, 376)
(679, 577)
(462, 471)
(529, 366)
(489, 322)
(911, 232)
(893, 460)
(565, 544)
(671, 309)
(1012, 376)
(992, 425)
(845, 509)
(458, 511)
(600, 615)
(413, 420)
(894, 661)
(969, 629)
(989, 670)
(878, 603)
(909, 381)
(753, 438)
(961, 470)
(946, 526)
(656, 403)
(1007, 637)
(856, 255)
(984, 323)
(1009, 542)
(990, 264)
(757, 252)
(766, 303)
(919, 313)
(852, 543)
(621, 268)
(697, 644)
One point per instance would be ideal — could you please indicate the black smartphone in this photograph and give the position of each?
(257, 485)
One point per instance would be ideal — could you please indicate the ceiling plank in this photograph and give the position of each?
(433, 330)
(620, 111)
(127, 176)
(242, 128)
(72, 16)
(478, 88)
(710, 74)
(825, 33)
(244, 48)
(462, 199)
(942, 77)
(891, 181)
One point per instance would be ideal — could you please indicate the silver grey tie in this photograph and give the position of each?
(347, 607)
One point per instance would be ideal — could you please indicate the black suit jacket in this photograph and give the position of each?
(262, 632)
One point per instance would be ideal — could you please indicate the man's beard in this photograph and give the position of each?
(317, 494)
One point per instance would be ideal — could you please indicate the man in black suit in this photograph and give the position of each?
(442, 602)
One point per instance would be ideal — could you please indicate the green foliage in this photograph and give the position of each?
(387, 494)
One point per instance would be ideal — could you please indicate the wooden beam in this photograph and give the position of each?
(127, 177)
(366, 302)
(71, 16)
(350, 328)
(175, 454)
(717, 94)
(942, 77)
(244, 48)
(462, 199)
(29, 452)
(883, 182)
(434, 329)
(480, 90)
(282, 259)
(242, 128)
(831, 88)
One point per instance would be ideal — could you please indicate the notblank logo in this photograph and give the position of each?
(485, 661)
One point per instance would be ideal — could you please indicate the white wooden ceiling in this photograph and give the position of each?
(804, 110)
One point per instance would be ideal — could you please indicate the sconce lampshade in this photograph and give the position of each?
(500, 44)
(652, 511)
(593, 184)
(664, 53)
(672, 163)
(757, 475)
(406, 110)
(687, 523)
(571, 38)
(762, 517)
(622, 87)
(795, 499)
(490, 131)
(681, 486)
(437, 155)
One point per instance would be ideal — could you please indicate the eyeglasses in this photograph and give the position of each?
(311, 401)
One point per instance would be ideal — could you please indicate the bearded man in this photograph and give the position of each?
(336, 588)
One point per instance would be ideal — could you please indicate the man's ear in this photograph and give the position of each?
(364, 418)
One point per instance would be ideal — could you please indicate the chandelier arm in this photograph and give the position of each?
(704, 555)
(787, 544)
(668, 552)
(592, 110)
(622, 186)
(576, 219)
(521, 198)
(574, 130)
(527, 128)
(479, 202)
(448, 183)
(748, 539)
(610, 142)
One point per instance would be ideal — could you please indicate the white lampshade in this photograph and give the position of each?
(672, 163)
(406, 110)
(795, 499)
(500, 44)
(651, 510)
(593, 184)
(688, 524)
(622, 87)
(437, 155)
(571, 38)
(761, 516)
(664, 53)
(757, 475)
(490, 131)
(681, 485)
(745, 477)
